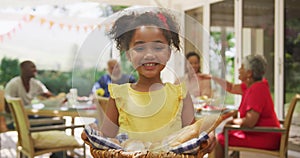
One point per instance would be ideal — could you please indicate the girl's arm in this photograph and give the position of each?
(110, 125)
(188, 118)
(187, 115)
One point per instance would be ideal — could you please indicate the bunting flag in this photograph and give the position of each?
(31, 17)
(51, 23)
(8, 35)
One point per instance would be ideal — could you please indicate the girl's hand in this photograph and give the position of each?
(83, 135)
(212, 142)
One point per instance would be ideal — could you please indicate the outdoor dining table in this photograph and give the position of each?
(82, 110)
(62, 111)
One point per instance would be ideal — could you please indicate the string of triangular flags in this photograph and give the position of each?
(51, 23)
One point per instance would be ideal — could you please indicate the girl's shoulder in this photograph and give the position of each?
(117, 89)
(179, 88)
(177, 85)
(113, 85)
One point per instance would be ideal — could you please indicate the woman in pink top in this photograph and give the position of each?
(256, 108)
(197, 87)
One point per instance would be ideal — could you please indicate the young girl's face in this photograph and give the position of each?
(149, 51)
(195, 63)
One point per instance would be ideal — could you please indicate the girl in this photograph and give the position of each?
(149, 109)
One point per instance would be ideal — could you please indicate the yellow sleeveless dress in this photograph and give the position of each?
(148, 116)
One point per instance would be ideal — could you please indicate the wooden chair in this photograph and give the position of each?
(27, 144)
(5, 118)
(284, 130)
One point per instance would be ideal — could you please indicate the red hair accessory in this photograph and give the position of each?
(163, 19)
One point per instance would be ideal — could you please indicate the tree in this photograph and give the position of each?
(55, 81)
(9, 68)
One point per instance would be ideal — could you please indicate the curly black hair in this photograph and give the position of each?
(124, 27)
(190, 54)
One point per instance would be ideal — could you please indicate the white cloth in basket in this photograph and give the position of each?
(103, 143)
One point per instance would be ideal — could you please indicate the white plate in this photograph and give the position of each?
(82, 106)
(38, 106)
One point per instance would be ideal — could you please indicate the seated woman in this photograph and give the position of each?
(256, 108)
(195, 85)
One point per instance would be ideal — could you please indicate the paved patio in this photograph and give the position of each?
(9, 139)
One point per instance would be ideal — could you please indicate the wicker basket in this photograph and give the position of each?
(112, 153)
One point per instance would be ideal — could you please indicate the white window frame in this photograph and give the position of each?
(278, 46)
(279, 58)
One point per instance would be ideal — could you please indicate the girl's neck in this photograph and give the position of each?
(147, 84)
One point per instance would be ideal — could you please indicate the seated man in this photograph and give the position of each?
(114, 75)
(26, 86)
